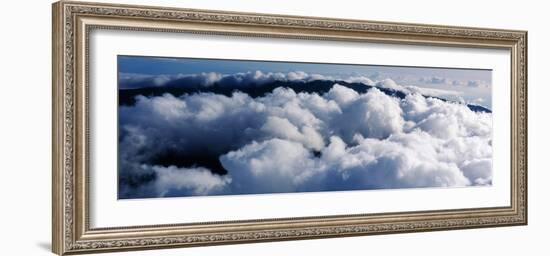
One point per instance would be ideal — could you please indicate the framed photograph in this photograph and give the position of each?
(179, 127)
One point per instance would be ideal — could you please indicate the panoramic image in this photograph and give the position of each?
(202, 127)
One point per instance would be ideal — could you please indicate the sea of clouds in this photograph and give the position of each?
(259, 78)
(299, 142)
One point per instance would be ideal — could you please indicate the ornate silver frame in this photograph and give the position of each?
(72, 22)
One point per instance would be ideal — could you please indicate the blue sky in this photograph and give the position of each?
(473, 84)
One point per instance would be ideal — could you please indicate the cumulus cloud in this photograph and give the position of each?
(194, 181)
(390, 84)
(410, 89)
(206, 143)
(258, 78)
(445, 81)
(160, 181)
(471, 83)
(373, 114)
(359, 79)
(130, 81)
(272, 166)
(437, 80)
(477, 84)
(457, 83)
(478, 171)
(397, 162)
(206, 79)
(282, 128)
(434, 92)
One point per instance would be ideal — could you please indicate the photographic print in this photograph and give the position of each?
(162, 115)
(201, 127)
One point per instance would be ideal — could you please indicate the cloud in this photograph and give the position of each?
(359, 79)
(434, 92)
(373, 115)
(258, 78)
(341, 94)
(390, 84)
(160, 181)
(436, 80)
(477, 84)
(271, 166)
(458, 83)
(194, 181)
(409, 89)
(206, 143)
(445, 81)
(130, 81)
(478, 101)
(206, 79)
(478, 171)
(282, 128)
(397, 162)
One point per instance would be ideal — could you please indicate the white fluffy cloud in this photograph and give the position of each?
(194, 181)
(271, 166)
(287, 141)
(259, 78)
(390, 84)
(359, 79)
(411, 89)
(373, 115)
(404, 160)
(161, 181)
(434, 92)
(206, 79)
